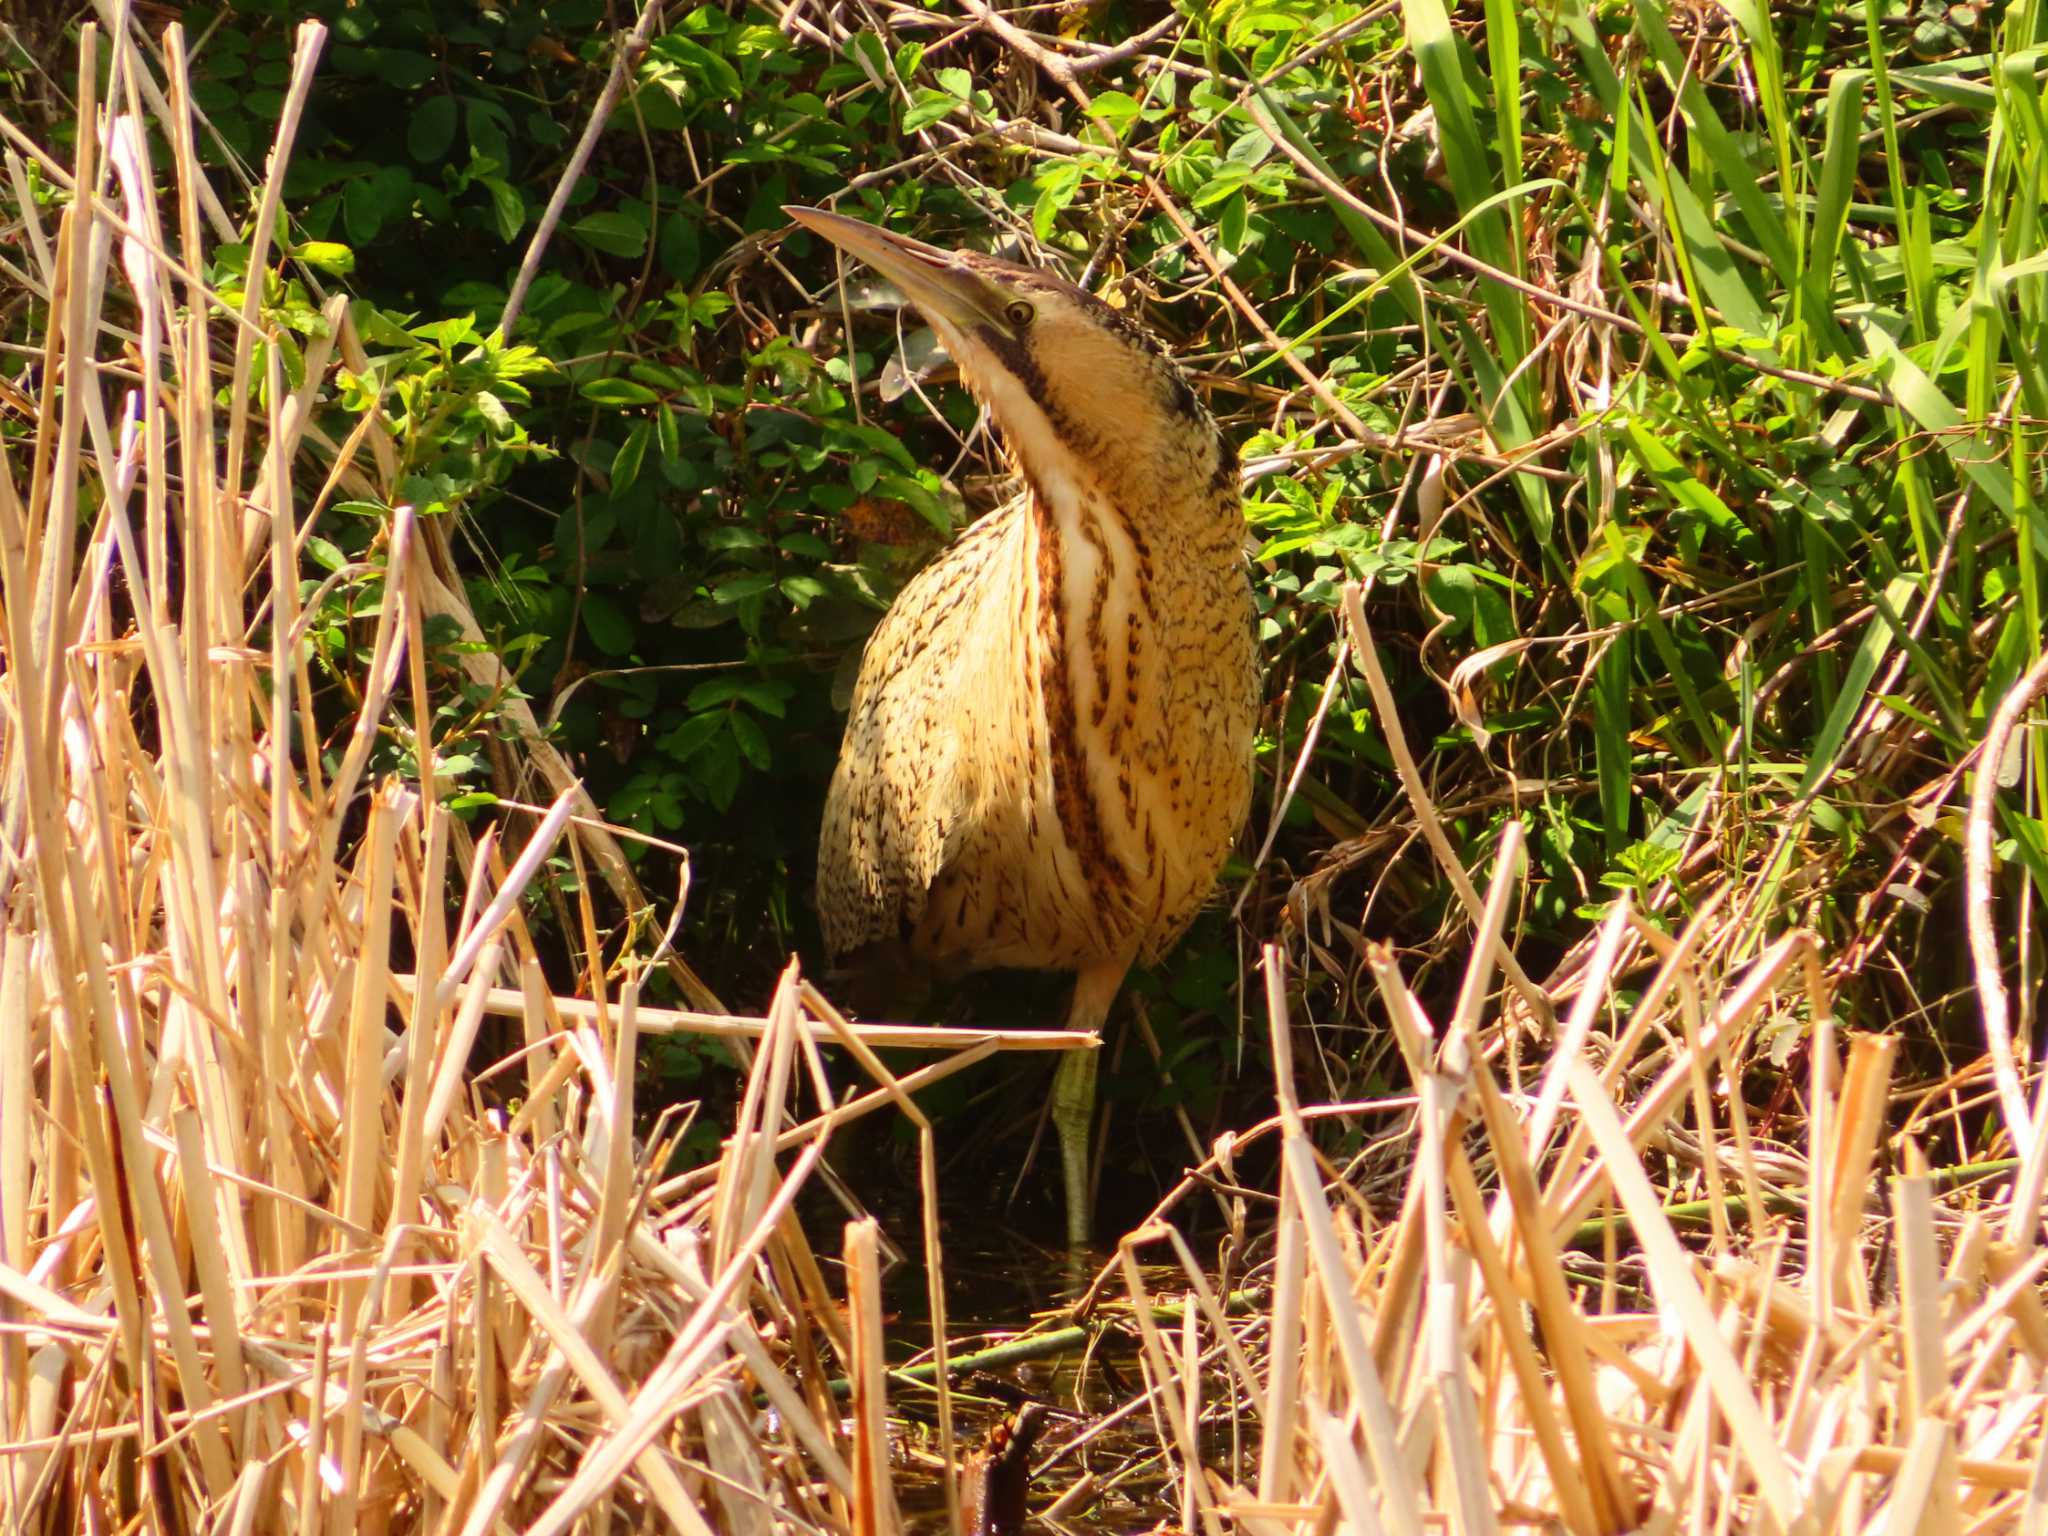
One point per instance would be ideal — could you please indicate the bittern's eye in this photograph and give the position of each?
(1018, 312)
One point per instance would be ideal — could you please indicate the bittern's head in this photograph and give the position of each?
(1081, 392)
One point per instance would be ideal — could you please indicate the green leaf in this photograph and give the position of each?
(403, 68)
(492, 409)
(1877, 640)
(686, 738)
(617, 392)
(1115, 109)
(718, 771)
(368, 203)
(1837, 184)
(907, 488)
(1918, 395)
(431, 129)
(702, 69)
(802, 591)
(926, 107)
(451, 332)
(1766, 228)
(719, 690)
(1249, 148)
(769, 698)
(487, 139)
(1440, 58)
(680, 247)
(741, 587)
(1057, 185)
(616, 234)
(506, 207)
(1230, 177)
(473, 296)
(609, 629)
(751, 739)
(626, 465)
(1231, 224)
(1678, 483)
(735, 537)
(327, 255)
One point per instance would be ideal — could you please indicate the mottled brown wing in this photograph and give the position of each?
(897, 792)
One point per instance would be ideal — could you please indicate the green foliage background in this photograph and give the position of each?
(1674, 377)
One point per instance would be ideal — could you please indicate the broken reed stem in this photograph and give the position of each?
(270, 1257)
(1367, 657)
(509, 1002)
(874, 1506)
(1977, 845)
(227, 1295)
(1694, 1384)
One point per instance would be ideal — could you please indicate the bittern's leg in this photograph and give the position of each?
(1073, 1092)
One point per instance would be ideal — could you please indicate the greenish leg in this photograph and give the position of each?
(1073, 1117)
(1073, 1093)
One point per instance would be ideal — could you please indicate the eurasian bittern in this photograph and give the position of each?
(1050, 746)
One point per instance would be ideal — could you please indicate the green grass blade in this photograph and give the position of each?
(1447, 81)
(1870, 654)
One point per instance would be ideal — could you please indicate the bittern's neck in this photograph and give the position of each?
(1158, 479)
(1119, 560)
(1184, 516)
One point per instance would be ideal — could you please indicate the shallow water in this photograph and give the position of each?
(1000, 1286)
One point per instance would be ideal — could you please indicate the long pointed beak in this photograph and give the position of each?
(936, 281)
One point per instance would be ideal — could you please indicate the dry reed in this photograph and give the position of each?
(271, 1257)
(1555, 1354)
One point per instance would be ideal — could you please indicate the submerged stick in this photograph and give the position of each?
(1038, 1346)
(1778, 1202)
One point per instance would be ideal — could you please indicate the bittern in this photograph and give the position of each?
(1049, 751)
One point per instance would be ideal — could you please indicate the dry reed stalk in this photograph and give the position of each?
(513, 1004)
(272, 1256)
(1468, 1365)
(874, 1507)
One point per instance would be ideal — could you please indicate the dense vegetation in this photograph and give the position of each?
(1674, 380)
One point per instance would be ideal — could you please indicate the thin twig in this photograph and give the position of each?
(1977, 905)
(1426, 817)
(626, 56)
